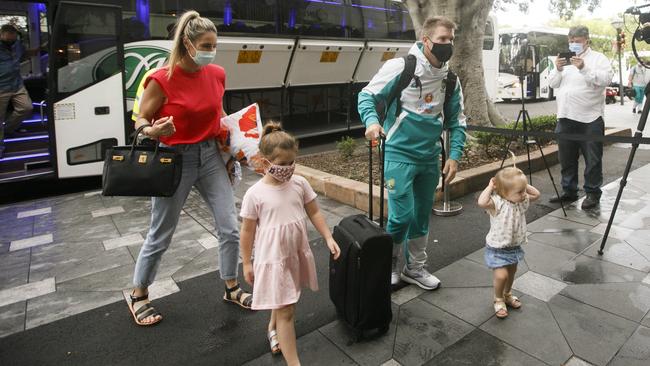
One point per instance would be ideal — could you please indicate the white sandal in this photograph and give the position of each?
(273, 342)
(512, 301)
(500, 309)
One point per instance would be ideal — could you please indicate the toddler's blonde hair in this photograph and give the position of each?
(509, 178)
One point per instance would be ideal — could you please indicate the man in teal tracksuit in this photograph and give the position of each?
(412, 143)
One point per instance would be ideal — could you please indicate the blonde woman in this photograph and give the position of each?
(182, 107)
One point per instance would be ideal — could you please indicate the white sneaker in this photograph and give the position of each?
(420, 277)
(394, 274)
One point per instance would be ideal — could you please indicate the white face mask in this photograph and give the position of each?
(576, 47)
(203, 58)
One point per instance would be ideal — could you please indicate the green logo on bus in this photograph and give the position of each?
(137, 61)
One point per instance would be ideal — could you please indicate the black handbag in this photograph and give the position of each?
(141, 170)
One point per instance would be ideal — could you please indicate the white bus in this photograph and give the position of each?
(302, 61)
(530, 51)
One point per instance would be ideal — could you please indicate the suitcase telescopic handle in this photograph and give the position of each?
(382, 158)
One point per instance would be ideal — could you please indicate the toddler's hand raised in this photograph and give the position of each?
(334, 248)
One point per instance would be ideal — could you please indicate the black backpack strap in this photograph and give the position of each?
(408, 73)
(450, 88)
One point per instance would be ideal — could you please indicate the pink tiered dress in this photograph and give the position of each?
(282, 260)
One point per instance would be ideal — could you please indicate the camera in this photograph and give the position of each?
(642, 32)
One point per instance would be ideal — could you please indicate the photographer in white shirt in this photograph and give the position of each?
(579, 85)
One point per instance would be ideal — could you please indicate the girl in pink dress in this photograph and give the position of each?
(274, 211)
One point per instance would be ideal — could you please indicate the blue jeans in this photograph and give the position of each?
(591, 150)
(203, 168)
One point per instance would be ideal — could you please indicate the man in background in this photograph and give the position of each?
(580, 85)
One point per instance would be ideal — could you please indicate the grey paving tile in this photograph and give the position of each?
(640, 241)
(81, 228)
(31, 242)
(114, 279)
(129, 239)
(465, 273)
(575, 361)
(107, 211)
(616, 231)
(423, 331)
(206, 262)
(16, 230)
(391, 362)
(585, 269)
(368, 352)
(313, 349)
(550, 223)
(180, 253)
(27, 291)
(12, 318)
(74, 260)
(532, 330)
(573, 241)
(14, 268)
(635, 351)
(621, 253)
(209, 241)
(546, 260)
(584, 328)
(628, 300)
(574, 213)
(480, 348)
(62, 304)
(538, 286)
(134, 220)
(68, 207)
(405, 294)
(35, 212)
(92, 194)
(473, 305)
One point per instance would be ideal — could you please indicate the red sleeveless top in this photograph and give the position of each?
(194, 99)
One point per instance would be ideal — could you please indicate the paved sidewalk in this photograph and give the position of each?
(579, 308)
(65, 260)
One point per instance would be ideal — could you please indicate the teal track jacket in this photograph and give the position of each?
(413, 137)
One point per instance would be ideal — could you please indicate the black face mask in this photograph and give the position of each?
(8, 44)
(442, 51)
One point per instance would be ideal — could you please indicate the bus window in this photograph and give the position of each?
(384, 19)
(84, 40)
(488, 39)
(317, 19)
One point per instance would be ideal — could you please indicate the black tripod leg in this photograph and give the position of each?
(525, 138)
(551, 176)
(638, 134)
(621, 186)
(505, 154)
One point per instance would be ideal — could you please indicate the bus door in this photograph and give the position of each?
(546, 65)
(86, 86)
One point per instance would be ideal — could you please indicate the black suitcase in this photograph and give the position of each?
(360, 279)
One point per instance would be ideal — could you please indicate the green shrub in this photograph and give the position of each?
(490, 141)
(346, 146)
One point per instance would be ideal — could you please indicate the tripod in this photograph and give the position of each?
(638, 134)
(525, 119)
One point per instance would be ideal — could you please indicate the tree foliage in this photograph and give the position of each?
(563, 8)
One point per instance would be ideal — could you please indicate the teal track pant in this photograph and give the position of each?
(411, 189)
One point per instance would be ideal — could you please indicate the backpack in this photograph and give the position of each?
(405, 78)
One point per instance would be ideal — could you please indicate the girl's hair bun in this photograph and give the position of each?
(271, 127)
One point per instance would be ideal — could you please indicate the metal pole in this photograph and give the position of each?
(620, 67)
(447, 207)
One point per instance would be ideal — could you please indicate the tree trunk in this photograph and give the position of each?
(467, 60)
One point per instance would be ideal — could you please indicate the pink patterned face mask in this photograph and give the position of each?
(281, 173)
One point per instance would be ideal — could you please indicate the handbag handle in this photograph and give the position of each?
(135, 139)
